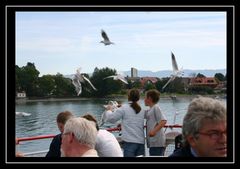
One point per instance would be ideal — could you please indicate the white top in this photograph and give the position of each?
(90, 153)
(132, 123)
(107, 145)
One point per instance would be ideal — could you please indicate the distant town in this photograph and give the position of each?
(29, 84)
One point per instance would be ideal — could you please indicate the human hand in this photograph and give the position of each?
(109, 107)
(18, 154)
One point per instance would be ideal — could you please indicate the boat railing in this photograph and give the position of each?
(170, 140)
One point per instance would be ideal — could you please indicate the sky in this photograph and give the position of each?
(61, 42)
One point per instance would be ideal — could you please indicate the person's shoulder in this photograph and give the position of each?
(104, 132)
(177, 153)
(124, 106)
(57, 137)
(182, 152)
(156, 107)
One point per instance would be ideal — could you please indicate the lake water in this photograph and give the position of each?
(42, 120)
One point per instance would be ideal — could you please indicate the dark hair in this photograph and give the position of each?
(62, 117)
(134, 96)
(154, 95)
(91, 118)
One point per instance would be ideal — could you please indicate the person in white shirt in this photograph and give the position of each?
(106, 143)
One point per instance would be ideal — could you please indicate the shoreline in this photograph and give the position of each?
(109, 97)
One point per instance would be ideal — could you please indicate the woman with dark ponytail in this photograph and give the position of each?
(133, 97)
(132, 117)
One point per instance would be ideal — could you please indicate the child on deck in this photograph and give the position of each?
(155, 120)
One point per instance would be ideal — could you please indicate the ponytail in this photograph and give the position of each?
(134, 96)
(136, 107)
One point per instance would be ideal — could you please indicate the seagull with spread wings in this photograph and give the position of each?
(176, 71)
(106, 40)
(78, 79)
(117, 77)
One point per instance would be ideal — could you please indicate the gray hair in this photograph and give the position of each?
(84, 130)
(198, 110)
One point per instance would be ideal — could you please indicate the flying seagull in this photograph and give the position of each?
(106, 40)
(176, 71)
(22, 114)
(114, 105)
(78, 79)
(117, 77)
(77, 85)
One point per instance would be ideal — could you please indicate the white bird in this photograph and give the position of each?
(106, 40)
(78, 79)
(118, 77)
(23, 114)
(176, 71)
(113, 104)
(77, 85)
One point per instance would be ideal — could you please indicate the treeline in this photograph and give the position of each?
(28, 80)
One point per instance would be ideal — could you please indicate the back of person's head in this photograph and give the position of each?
(154, 95)
(84, 130)
(62, 117)
(200, 109)
(134, 96)
(178, 142)
(91, 118)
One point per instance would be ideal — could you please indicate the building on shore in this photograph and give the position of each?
(21, 95)
(134, 72)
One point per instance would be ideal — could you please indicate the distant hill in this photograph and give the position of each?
(167, 73)
(187, 73)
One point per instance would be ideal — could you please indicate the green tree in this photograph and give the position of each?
(28, 79)
(17, 76)
(200, 75)
(63, 86)
(149, 86)
(134, 84)
(46, 85)
(105, 86)
(159, 84)
(175, 86)
(200, 90)
(219, 76)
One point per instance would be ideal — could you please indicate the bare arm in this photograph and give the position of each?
(160, 125)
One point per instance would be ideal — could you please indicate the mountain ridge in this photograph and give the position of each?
(187, 72)
(167, 73)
